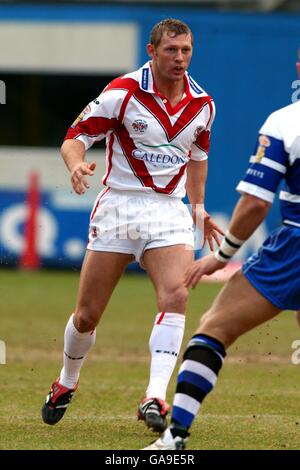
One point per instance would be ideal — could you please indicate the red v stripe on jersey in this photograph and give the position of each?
(193, 108)
(139, 167)
(174, 181)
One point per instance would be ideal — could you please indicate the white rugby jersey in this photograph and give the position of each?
(148, 142)
(277, 158)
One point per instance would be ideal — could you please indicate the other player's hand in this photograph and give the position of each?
(206, 265)
(78, 174)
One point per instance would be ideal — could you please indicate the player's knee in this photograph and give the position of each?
(84, 322)
(181, 295)
(174, 299)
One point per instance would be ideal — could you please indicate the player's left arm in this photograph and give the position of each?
(197, 175)
(248, 214)
(195, 187)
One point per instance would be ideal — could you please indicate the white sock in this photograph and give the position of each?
(76, 348)
(165, 342)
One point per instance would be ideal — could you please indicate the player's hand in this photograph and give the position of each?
(210, 232)
(207, 225)
(78, 174)
(206, 265)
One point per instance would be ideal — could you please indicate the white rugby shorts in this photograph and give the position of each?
(132, 222)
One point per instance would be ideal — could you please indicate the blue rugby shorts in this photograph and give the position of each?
(274, 270)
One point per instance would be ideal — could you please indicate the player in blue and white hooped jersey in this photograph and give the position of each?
(268, 282)
(275, 270)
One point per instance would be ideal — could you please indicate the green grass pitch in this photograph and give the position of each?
(255, 404)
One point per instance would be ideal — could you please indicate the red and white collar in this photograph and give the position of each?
(147, 84)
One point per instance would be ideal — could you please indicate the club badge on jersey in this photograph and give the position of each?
(263, 143)
(86, 110)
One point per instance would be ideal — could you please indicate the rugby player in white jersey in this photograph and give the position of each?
(268, 282)
(157, 123)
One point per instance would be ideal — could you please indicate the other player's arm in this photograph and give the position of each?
(248, 214)
(73, 152)
(195, 187)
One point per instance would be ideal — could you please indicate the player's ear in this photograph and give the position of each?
(150, 50)
(298, 63)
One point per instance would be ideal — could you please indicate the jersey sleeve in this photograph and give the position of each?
(201, 144)
(98, 118)
(267, 165)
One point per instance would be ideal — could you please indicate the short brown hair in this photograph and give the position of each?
(172, 27)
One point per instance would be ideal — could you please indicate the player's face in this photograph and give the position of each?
(171, 58)
(298, 63)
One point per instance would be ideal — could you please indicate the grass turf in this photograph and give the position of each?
(254, 406)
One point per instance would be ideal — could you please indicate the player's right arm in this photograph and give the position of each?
(73, 153)
(99, 118)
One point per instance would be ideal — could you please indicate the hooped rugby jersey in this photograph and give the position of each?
(277, 158)
(148, 142)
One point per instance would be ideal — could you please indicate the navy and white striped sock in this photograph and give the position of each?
(197, 376)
